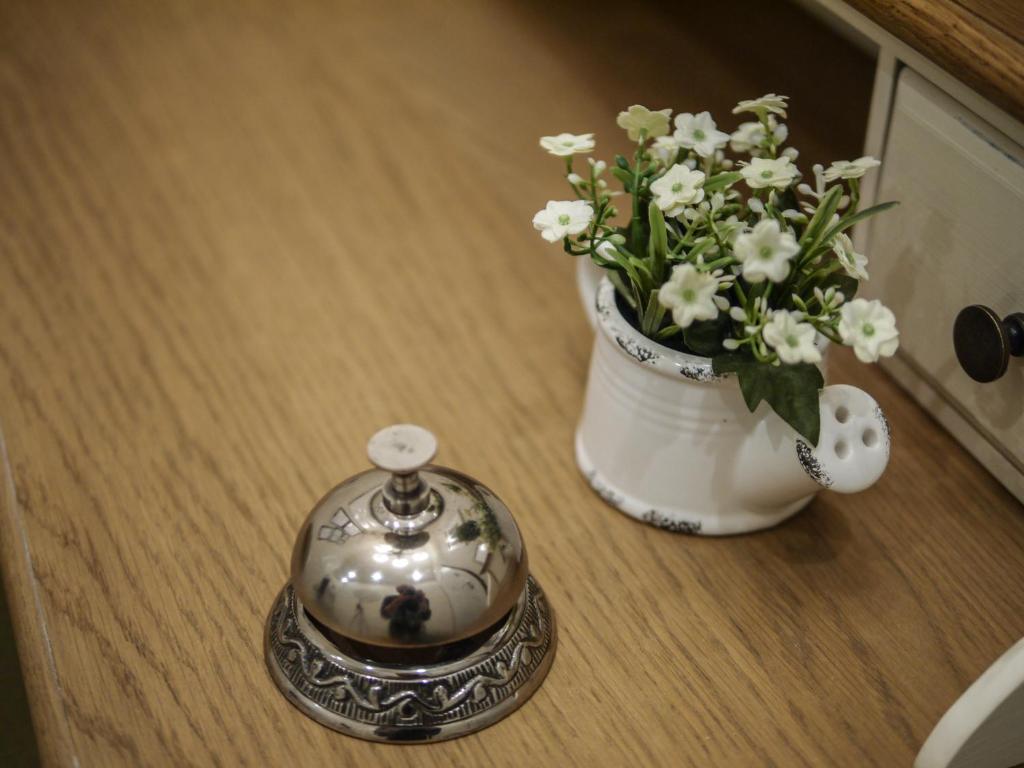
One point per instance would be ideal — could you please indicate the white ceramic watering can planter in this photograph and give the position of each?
(666, 440)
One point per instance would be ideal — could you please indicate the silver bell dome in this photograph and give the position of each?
(408, 556)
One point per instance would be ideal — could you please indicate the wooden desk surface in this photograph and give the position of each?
(235, 244)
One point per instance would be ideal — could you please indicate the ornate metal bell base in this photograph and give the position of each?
(405, 704)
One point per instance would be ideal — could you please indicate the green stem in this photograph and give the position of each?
(718, 263)
(818, 275)
(635, 224)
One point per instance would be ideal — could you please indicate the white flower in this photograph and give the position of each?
(678, 188)
(639, 120)
(690, 295)
(765, 252)
(563, 218)
(749, 137)
(770, 102)
(850, 169)
(870, 328)
(765, 172)
(730, 229)
(855, 264)
(791, 339)
(699, 133)
(565, 144)
(665, 149)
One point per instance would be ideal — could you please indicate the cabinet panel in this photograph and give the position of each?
(956, 239)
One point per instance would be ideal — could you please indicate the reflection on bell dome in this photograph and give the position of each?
(467, 561)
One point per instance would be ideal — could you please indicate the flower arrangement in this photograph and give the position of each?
(732, 258)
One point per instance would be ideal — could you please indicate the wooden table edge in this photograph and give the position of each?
(28, 618)
(986, 58)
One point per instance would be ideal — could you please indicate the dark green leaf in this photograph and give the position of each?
(793, 395)
(752, 378)
(731, 362)
(622, 162)
(755, 384)
(705, 337)
(792, 391)
(786, 199)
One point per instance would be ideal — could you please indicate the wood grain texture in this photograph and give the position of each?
(236, 241)
(979, 42)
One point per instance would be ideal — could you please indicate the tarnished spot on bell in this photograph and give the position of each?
(410, 615)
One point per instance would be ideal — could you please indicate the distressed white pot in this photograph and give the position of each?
(666, 440)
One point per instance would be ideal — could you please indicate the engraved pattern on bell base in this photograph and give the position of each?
(410, 705)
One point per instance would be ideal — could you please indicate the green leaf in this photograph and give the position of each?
(667, 332)
(653, 315)
(625, 262)
(645, 281)
(821, 217)
(625, 177)
(659, 236)
(705, 337)
(622, 162)
(658, 244)
(793, 395)
(755, 384)
(753, 381)
(843, 224)
(792, 391)
(731, 362)
(706, 244)
(622, 289)
(722, 180)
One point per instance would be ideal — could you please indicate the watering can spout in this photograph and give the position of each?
(777, 466)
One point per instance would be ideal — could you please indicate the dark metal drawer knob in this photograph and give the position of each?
(984, 343)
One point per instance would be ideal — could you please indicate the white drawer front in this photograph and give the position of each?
(956, 239)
